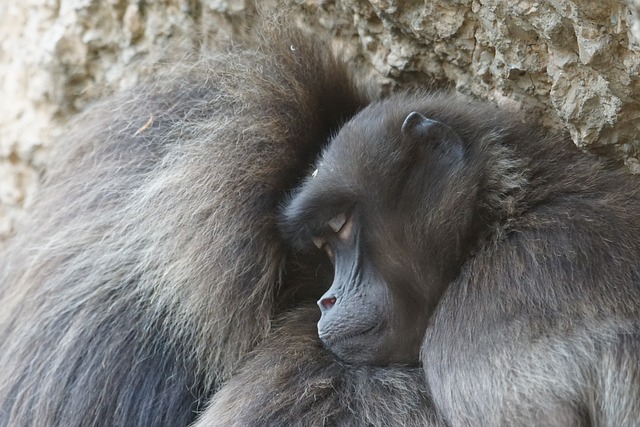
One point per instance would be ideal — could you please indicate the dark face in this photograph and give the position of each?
(361, 320)
(375, 207)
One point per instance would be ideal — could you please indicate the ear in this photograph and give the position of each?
(417, 126)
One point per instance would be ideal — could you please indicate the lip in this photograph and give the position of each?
(332, 340)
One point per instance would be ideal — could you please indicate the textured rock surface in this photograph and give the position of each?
(58, 55)
(575, 63)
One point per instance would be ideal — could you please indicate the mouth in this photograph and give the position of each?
(331, 340)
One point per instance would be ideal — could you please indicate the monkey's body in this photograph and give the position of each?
(523, 248)
(544, 320)
(542, 324)
(151, 263)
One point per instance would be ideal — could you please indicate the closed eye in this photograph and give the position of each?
(342, 225)
(337, 222)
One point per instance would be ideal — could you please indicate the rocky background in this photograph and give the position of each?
(574, 63)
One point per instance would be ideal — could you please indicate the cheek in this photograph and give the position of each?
(382, 309)
(410, 323)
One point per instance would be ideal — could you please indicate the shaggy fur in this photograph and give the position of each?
(523, 248)
(151, 263)
(291, 380)
(152, 267)
(541, 325)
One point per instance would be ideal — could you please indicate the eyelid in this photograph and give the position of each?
(340, 225)
(337, 222)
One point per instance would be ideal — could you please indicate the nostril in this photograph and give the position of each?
(327, 303)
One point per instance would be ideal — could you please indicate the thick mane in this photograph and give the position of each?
(151, 262)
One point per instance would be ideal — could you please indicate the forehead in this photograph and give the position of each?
(365, 145)
(362, 165)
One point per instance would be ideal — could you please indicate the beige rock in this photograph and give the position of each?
(574, 63)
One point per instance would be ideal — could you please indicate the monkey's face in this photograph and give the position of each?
(378, 206)
(361, 320)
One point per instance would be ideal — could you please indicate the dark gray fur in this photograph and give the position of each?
(151, 263)
(291, 380)
(517, 254)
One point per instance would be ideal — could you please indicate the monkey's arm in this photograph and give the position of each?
(542, 327)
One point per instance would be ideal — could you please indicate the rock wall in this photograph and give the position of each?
(573, 63)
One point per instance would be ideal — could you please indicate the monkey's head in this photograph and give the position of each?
(391, 203)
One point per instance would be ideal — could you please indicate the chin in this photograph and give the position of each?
(358, 350)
